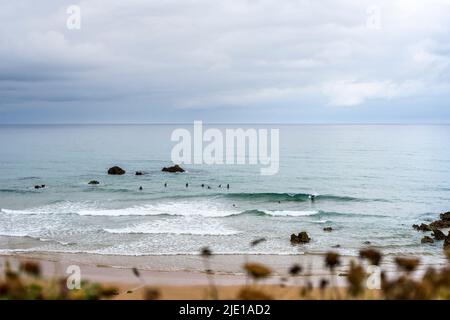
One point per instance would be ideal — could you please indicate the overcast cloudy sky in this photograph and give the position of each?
(296, 61)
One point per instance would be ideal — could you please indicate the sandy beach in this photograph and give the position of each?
(183, 277)
(176, 277)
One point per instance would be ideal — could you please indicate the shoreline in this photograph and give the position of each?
(186, 277)
(187, 270)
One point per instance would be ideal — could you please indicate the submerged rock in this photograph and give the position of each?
(447, 241)
(427, 239)
(140, 173)
(445, 216)
(438, 234)
(440, 224)
(175, 168)
(328, 229)
(422, 227)
(302, 237)
(116, 170)
(93, 182)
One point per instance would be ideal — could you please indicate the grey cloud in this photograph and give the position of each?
(290, 60)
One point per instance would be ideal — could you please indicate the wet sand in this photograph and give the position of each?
(183, 277)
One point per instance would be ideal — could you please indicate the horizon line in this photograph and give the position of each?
(220, 123)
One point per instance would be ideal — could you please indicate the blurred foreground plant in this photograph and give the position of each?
(26, 283)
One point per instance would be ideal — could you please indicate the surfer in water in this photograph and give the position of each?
(165, 185)
(187, 184)
(312, 197)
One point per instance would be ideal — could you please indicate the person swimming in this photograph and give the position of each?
(187, 184)
(165, 185)
(203, 185)
(228, 186)
(209, 187)
(312, 197)
(220, 186)
(140, 188)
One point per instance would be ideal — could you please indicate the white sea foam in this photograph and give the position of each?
(292, 213)
(179, 208)
(55, 208)
(176, 227)
(320, 221)
(14, 233)
(183, 208)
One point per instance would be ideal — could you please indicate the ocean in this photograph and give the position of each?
(372, 182)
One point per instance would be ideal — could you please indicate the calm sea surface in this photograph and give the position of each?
(372, 183)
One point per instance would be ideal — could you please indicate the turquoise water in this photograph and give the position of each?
(372, 183)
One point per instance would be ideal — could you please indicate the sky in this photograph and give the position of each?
(257, 61)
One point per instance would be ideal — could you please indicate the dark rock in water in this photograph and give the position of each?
(175, 168)
(438, 234)
(328, 229)
(94, 182)
(422, 227)
(116, 170)
(440, 224)
(139, 173)
(302, 237)
(445, 216)
(427, 239)
(447, 241)
(443, 223)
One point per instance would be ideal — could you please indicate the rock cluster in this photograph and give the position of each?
(422, 227)
(302, 237)
(443, 222)
(434, 227)
(438, 234)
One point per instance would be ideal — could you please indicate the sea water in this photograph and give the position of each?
(372, 182)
